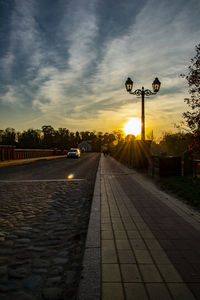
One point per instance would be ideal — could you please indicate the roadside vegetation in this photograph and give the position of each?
(186, 188)
(172, 144)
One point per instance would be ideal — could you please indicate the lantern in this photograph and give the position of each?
(129, 84)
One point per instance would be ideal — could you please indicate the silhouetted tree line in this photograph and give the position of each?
(49, 138)
(171, 144)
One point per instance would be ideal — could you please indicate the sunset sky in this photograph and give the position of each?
(64, 63)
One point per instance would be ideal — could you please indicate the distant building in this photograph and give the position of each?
(85, 146)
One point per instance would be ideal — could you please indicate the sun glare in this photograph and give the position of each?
(133, 126)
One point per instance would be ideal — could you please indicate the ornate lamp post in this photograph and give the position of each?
(156, 86)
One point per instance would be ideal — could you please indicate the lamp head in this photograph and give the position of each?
(129, 84)
(156, 85)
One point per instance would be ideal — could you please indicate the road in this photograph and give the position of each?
(43, 226)
(82, 168)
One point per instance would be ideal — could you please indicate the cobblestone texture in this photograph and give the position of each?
(43, 227)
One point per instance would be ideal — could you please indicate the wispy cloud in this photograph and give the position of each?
(70, 61)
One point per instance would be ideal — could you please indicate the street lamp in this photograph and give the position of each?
(156, 86)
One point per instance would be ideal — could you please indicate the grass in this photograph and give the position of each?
(186, 188)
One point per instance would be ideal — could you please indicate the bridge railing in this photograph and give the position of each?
(11, 153)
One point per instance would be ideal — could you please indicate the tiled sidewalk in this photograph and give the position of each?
(145, 249)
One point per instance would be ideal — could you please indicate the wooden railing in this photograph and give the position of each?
(196, 168)
(11, 153)
(174, 166)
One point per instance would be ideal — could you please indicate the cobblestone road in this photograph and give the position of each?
(43, 226)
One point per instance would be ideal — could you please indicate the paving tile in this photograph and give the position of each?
(147, 234)
(135, 291)
(116, 220)
(133, 212)
(118, 226)
(153, 244)
(130, 273)
(138, 219)
(166, 244)
(169, 273)
(110, 273)
(126, 256)
(180, 291)
(143, 256)
(107, 235)
(191, 255)
(122, 244)
(120, 235)
(108, 255)
(158, 291)
(106, 226)
(160, 257)
(105, 207)
(124, 212)
(108, 244)
(105, 214)
(105, 220)
(175, 256)
(133, 234)
(138, 244)
(115, 214)
(187, 271)
(161, 222)
(195, 288)
(150, 273)
(127, 219)
(112, 291)
(113, 208)
(181, 244)
(130, 226)
(158, 233)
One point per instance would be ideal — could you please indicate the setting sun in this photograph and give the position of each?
(133, 126)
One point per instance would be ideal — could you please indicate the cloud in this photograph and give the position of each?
(61, 86)
(70, 61)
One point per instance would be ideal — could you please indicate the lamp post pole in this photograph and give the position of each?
(143, 120)
(156, 86)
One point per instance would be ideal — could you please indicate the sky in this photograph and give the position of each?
(65, 62)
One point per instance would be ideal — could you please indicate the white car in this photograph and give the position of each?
(74, 153)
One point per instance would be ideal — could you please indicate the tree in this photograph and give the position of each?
(193, 117)
(9, 136)
(85, 135)
(29, 139)
(119, 135)
(62, 138)
(1, 135)
(77, 138)
(175, 144)
(48, 136)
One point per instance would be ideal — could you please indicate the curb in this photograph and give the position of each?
(8, 163)
(90, 283)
